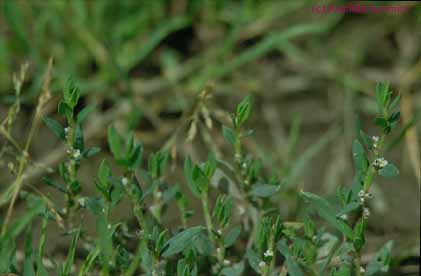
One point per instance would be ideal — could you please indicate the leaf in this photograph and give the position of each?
(381, 262)
(71, 254)
(243, 111)
(348, 208)
(91, 152)
(232, 236)
(360, 159)
(263, 190)
(235, 270)
(203, 244)
(114, 142)
(188, 173)
(293, 267)
(55, 127)
(229, 135)
(389, 170)
(253, 259)
(327, 212)
(78, 142)
(81, 116)
(53, 184)
(17, 227)
(65, 110)
(28, 266)
(41, 270)
(182, 240)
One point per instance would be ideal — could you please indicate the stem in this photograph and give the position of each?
(205, 205)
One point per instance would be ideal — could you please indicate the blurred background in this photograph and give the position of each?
(144, 63)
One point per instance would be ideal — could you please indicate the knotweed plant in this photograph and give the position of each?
(240, 231)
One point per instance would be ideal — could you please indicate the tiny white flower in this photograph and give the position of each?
(268, 253)
(262, 264)
(366, 213)
(219, 231)
(158, 194)
(344, 216)
(244, 165)
(362, 270)
(218, 250)
(227, 262)
(368, 195)
(361, 193)
(380, 162)
(124, 181)
(375, 139)
(66, 130)
(76, 154)
(109, 226)
(82, 202)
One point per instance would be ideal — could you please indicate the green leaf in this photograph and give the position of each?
(56, 127)
(232, 236)
(229, 135)
(327, 212)
(263, 190)
(21, 222)
(182, 240)
(71, 94)
(293, 267)
(81, 116)
(200, 180)
(28, 266)
(359, 235)
(389, 170)
(188, 172)
(203, 244)
(71, 254)
(243, 111)
(41, 270)
(114, 142)
(253, 259)
(348, 208)
(235, 270)
(360, 159)
(65, 110)
(78, 142)
(381, 262)
(91, 152)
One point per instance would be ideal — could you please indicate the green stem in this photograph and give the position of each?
(208, 219)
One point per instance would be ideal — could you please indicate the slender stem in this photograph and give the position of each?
(208, 219)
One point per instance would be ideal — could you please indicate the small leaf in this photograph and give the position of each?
(188, 172)
(181, 241)
(381, 262)
(253, 259)
(389, 170)
(71, 254)
(235, 270)
(232, 236)
(65, 110)
(81, 116)
(91, 152)
(327, 212)
(263, 190)
(348, 208)
(229, 135)
(293, 267)
(56, 127)
(243, 111)
(114, 142)
(78, 142)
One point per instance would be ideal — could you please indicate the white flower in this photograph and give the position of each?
(124, 181)
(344, 216)
(368, 195)
(362, 270)
(66, 130)
(262, 264)
(82, 202)
(375, 139)
(380, 162)
(109, 226)
(219, 231)
(218, 250)
(227, 262)
(366, 213)
(268, 253)
(158, 194)
(361, 193)
(76, 154)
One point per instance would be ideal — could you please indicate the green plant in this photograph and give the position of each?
(242, 231)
